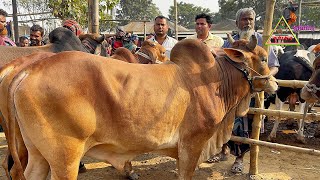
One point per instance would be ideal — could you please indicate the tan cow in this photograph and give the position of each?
(150, 53)
(8, 72)
(62, 40)
(74, 104)
(311, 91)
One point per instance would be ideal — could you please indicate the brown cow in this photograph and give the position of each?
(150, 53)
(7, 74)
(61, 39)
(114, 111)
(311, 91)
(152, 50)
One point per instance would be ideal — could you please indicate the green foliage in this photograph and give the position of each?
(187, 13)
(137, 10)
(228, 9)
(78, 10)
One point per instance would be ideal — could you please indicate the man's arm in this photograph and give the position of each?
(273, 70)
(273, 62)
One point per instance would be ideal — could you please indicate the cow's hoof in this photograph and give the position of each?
(133, 176)
(82, 168)
(271, 139)
(317, 134)
(301, 140)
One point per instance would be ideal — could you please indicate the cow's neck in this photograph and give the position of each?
(221, 87)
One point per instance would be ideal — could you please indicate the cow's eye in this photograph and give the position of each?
(264, 59)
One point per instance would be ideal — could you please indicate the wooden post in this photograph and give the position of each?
(144, 30)
(93, 16)
(256, 125)
(176, 19)
(299, 17)
(15, 21)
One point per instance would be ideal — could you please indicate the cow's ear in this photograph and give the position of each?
(235, 55)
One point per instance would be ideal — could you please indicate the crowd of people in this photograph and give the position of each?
(245, 21)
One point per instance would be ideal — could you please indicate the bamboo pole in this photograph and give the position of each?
(310, 117)
(275, 145)
(176, 19)
(93, 16)
(15, 21)
(292, 83)
(256, 125)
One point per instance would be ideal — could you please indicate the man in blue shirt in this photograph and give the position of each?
(245, 20)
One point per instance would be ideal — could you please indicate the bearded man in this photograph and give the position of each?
(245, 20)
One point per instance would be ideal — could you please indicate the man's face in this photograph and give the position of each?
(202, 27)
(3, 22)
(35, 38)
(160, 27)
(246, 22)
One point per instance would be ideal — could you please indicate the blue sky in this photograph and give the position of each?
(164, 5)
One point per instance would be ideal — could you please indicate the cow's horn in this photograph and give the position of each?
(252, 44)
(230, 38)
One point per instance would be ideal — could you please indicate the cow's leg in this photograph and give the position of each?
(273, 134)
(129, 172)
(317, 131)
(300, 136)
(66, 166)
(22, 149)
(7, 164)
(37, 167)
(189, 152)
(22, 153)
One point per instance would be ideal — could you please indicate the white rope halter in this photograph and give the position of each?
(147, 57)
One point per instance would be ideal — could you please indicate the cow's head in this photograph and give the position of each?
(3, 30)
(311, 91)
(252, 61)
(94, 43)
(151, 53)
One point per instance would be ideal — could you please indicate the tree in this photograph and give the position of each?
(228, 9)
(187, 13)
(65, 9)
(30, 6)
(78, 10)
(137, 10)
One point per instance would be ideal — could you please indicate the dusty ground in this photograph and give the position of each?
(284, 164)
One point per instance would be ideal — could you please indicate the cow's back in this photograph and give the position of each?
(9, 53)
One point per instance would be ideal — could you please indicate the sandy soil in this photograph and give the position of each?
(279, 163)
(284, 164)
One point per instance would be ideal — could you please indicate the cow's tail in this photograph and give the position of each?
(12, 122)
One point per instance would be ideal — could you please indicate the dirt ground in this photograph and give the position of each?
(273, 164)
